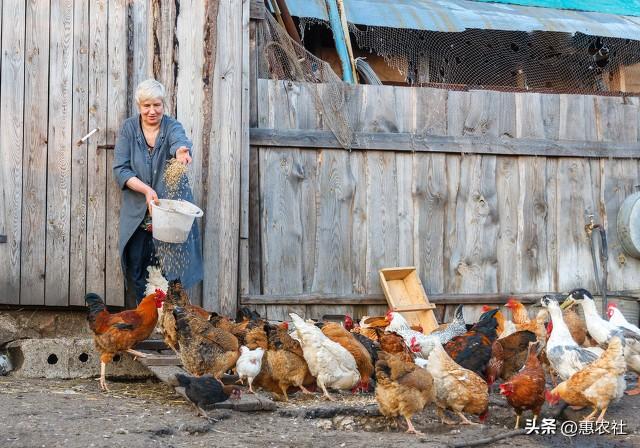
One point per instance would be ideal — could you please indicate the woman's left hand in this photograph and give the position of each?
(182, 154)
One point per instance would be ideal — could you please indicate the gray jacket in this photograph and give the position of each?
(132, 159)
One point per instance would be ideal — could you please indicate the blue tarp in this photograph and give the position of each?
(458, 15)
(619, 7)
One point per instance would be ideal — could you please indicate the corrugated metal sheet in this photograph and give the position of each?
(458, 15)
(619, 7)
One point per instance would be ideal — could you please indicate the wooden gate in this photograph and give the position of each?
(63, 73)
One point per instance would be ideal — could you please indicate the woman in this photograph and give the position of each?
(145, 144)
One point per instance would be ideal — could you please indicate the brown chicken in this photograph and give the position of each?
(508, 355)
(119, 332)
(176, 296)
(456, 388)
(596, 385)
(204, 348)
(577, 327)
(337, 333)
(394, 343)
(520, 316)
(525, 390)
(403, 388)
(238, 329)
(283, 364)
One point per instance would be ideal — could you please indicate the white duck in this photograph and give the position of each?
(564, 354)
(331, 364)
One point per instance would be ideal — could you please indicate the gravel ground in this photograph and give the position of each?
(74, 413)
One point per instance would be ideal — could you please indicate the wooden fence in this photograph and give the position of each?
(76, 71)
(437, 181)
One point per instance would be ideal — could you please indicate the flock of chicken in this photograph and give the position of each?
(453, 367)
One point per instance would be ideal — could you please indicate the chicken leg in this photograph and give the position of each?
(326, 393)
(410, 428)
(601, 416)
(137, 354)
(305, 390)
(589, 417)
(517, 421)
(465, 420)
(443, 418)
(103, 373)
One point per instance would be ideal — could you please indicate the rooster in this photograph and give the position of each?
(119, 332)
(565, 356)
(602, 331)
(525, 390)
(412, 338)
(472, 350)
(331, 364)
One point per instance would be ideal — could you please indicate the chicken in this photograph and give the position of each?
(472, 350)
(598, 384)
(525, 390)
(371, 345)
(249, 364)
(257, 337)
(155, 280)
(394, 344)
(576, 325)
(508, 355)
(119, 332)
(176, 296)
(565, 356)
(399, 325)
(618, 319)
(403, 388)
(238, 329)
(205, 391)
(456, 388)
(505, 326)
(331, 364)
(337, 333)
(204, 348)
(284, 364)
(602, 331)
(520, 316)
(454, 328)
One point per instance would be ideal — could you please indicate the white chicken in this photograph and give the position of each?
(617, 318)
(249, 364)
(564, 354)
(331, 364)
(412, 338)
(602, 331)
(155, 280)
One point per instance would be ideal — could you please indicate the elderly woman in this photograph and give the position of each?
(145, 144)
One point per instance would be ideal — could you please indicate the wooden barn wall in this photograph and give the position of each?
(59, 203)
(324, 221)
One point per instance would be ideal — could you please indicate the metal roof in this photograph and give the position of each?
(458, 15)
(619, 7)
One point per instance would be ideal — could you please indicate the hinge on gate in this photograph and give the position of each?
(3, 239)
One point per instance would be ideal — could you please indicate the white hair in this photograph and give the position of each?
(149, 89)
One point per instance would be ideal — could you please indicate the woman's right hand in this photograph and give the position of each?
(150, 196)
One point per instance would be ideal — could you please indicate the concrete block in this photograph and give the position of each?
(65, 358)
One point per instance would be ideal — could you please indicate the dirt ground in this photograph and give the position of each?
(74, 413)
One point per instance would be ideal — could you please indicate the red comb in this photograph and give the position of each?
(160, 294)
(485, 308)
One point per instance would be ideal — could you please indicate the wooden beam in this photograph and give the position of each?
(409, 142)
(379, 299)
(257, 10)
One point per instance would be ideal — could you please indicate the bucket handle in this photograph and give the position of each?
(197, 214)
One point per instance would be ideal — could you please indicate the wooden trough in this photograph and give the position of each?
(166, 366)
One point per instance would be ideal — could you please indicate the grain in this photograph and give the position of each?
(175, 178)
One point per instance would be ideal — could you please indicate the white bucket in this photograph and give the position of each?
(172, 220)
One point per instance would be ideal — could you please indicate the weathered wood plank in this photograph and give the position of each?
(59, 153)
(257, 10)
(141, 47)
(116, 114)
(79, 157)
(243, 256)
(97, 157)
(11, 146)
(34, 184)
(382, 189)
(430, 193)
(164, 46)
(409, 142)
(575, 197)
(226, 137)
